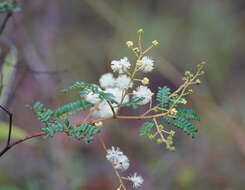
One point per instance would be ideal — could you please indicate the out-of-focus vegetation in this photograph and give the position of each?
(60, 42)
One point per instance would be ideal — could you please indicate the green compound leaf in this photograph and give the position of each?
(107, 97)
(189, 114)
(43, 114)
(146, 129)
(9, 7)
(72, 108)
(85, 88)
(183, 124)
(134, 102)
(84, 132)
(162, 97)
(79, 85)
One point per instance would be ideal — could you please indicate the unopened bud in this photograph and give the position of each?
(155, 43)
(129, 43)
(145, 81)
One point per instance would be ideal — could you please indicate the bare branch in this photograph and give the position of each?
(38, 134)
(5, 21)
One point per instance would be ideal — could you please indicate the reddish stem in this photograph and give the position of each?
(37, 134)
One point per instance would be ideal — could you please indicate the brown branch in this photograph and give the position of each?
(38, 134)
(9, 146)
(124, 117)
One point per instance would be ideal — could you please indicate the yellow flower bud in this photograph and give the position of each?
(161, 127)
(188, 74)
(98, 124)
(129, 43)
(159, 141)
(173, 111)
(171, 148)
(155, 43)
(151, 137)
(198, 81)
(139, 63)
(136, 49)
(145, 81)
(202, 72)
(172, 133)
(140, 31)
(183, 101)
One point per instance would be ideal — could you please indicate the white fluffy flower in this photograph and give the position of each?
(122, 163)
(118, 94)
(144, 92)
(121, 65)
(102, 110)
(124, 82)
(113, 153)
(92, 98)
(147, 64)
(136, 180)
(107, 80)
(117, 159)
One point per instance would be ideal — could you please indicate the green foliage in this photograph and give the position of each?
(72, 108)
(162, 97)
(134, 102)
(85, 88)
(182, 123)
(43, 114)
(189, 114)
(80, 85)
(53, 128)
(146, 129)
(83, 132)
(53, 125)
(9, 7)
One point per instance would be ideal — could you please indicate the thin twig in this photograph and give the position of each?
(5, 21)
(140, 117)
(121, 184)
(38, 134)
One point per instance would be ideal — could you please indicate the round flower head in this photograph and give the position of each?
(92, 98)
(143, 92)
(117, 159)
(120, 66)
(136, 180)
(118, 94)
(122, 163)
(102, 110)
(124, 82)
(147, 64)
(113, 153)
(107, 80)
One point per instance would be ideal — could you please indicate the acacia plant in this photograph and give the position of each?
(126, 86)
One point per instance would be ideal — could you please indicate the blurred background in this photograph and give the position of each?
(58, 42)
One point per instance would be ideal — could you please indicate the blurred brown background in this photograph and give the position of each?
(60, 42)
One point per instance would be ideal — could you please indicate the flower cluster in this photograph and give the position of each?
(121, 162)
(127, 86)
(124, 86)
(117, 159)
